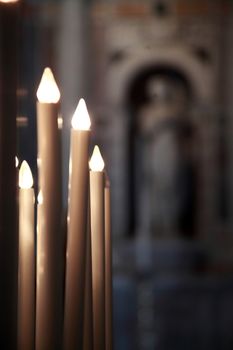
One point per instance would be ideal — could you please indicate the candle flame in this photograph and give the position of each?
(40, 198)
(25, 176)
(7, 1)
(48, 91)
(60, 123)
(81, 119)
(96, 162)
(16, 162)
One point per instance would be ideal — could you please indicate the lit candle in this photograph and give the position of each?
(97, 246)
(26, 292)
(88, 312)
(108, 265)
(49, 294)
(77, 229)
(41, 269)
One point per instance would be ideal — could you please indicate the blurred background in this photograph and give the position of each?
(157, 77)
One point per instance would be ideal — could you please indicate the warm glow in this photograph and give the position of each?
(81, 119)
(40, 198)
(48, 91)
(25, 176)
(16, 162)
(60, 123)
(96, 162)
(8, 1)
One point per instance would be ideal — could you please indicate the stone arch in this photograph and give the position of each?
(119, 78)
(133, 87)
(181, 59)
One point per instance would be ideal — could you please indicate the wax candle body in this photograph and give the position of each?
(108, 268)
(49, 290)
(26, 299)
(88, 313)
(76, 240)
(42, 276)
(98, 257)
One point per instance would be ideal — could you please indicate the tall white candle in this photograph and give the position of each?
(97, 247)
(41, 266)
(26, 291)
(108, 267)
(88, 312)
(49, 290)
(77, 229)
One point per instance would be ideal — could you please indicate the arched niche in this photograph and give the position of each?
(162, 171)
(179, 58)
(120, 78)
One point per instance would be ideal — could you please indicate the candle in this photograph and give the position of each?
(88, 313)
(77, 229)
(8, 214)
(26, 291)
(108, 265)
(97, 246)
(41, 268)
(40, 256)
(49, 290)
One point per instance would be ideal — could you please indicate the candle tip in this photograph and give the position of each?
(81, 119)
(48, 91)
(96, 162)
(16, 162)
(25, 176)
(40, 198)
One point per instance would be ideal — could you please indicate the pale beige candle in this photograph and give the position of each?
(108, 266)
(40, 256)
(77, 229)
(88, 312)
(41, 263)
(26, 291)
(97, 248)
(49, 295)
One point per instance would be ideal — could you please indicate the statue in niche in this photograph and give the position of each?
(165, 165)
